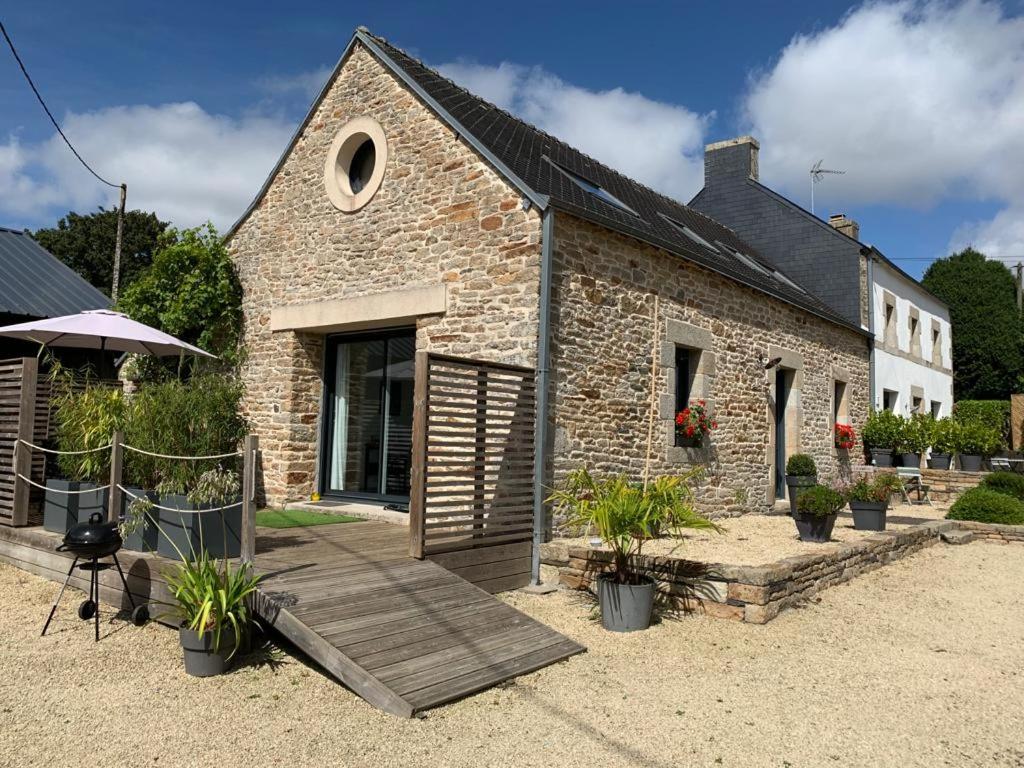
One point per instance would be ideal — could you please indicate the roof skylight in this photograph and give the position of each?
(597, 191)
(690, 234)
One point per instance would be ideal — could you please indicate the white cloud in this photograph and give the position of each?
(184, 163)
(654, 142)
(917, 102)
(1003, 235)
(306, 84)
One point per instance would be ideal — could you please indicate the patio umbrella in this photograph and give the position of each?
(101, 329)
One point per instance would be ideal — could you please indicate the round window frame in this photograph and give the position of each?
(337, 165)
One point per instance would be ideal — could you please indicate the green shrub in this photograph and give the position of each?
(1009, 483)
(994, 414)
(195, 418)
(976, 438)
(86, 419)
(945, 435)
(915, 433)
(882, 430)
(802, 465)
(984, 505)
(820, 501)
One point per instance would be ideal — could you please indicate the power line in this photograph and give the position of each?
(46, 109)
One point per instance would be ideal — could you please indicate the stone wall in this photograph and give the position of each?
(757, 594)
(945, 486)
(441, 215)
(603, 337)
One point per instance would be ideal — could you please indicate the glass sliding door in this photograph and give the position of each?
(368, 419)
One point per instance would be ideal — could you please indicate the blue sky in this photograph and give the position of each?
(190, 103)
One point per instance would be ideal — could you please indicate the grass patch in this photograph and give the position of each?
(297, 518)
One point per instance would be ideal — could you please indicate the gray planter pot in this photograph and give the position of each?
(201, 659)
(61, 511)
(869, 515)
(625, 607)
(219, 533)
(145, 538)
(970, 462)
(816, 528)
(797, 484)
(910, 460)
(881, 457)
(939, 461)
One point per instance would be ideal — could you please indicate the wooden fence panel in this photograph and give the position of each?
(472, 478)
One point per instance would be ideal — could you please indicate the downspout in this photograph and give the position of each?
(540, 451)
(871, 324)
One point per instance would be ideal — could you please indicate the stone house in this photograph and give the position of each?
(409, 215)
(911, 360)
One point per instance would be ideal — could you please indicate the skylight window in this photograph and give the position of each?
(597, 191)
(690, 234)
(782, 278)
(746, 260)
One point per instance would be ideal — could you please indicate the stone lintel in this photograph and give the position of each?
(382, 309)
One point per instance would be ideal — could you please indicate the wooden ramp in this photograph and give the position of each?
(404, 634)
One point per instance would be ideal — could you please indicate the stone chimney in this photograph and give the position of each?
(848, 227)
(731, 159)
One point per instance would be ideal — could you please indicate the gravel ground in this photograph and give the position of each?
(917, 664)
(763, 539)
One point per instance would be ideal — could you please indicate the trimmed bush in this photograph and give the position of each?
(994, 414)
(1009, 483)
(984, 505)
(802, 465)
(820, 501)
(882, 430)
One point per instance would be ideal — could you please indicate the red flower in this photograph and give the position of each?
(689, 431)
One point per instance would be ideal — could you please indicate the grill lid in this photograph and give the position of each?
(94, 532)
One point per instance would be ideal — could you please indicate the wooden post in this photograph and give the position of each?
(115, 495)
(26, 431)
(480, 449)
(250, 449)
(117, 246)
(418, 473)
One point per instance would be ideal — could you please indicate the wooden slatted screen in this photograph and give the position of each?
(18, 378)
(472, 473)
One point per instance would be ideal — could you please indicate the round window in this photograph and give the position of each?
(354, 168)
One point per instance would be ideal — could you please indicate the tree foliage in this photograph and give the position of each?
(86, 244)
(988, 336)
(190, 291)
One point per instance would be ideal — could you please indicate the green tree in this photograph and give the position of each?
(190, 291)
(988, 335)
(86, 244)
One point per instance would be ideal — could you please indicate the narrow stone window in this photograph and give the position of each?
(890, 322)
(890, 399)
(686, 366)
(915, 334)
(936, 409)
(936, 344)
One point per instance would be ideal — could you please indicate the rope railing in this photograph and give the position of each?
(134, 496)
(181, 458)
(50, 489)
(35, 447)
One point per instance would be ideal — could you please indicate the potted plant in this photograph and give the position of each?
(85, 421)
(915, 437)
(211, 604)
(208, 518)
(625, 515)
(944, 442)
(869, 501)
(693, 424)
(801, 473)
(817, 509)
(976, 441)
(880, 434)
(845, 437)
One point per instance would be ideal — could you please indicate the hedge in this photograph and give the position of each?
(992, 413)
(1009, 483)
(987, 506)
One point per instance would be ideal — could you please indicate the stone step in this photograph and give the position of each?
(957, 537)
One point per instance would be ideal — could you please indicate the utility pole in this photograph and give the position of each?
(117, 245)
(1020, 292)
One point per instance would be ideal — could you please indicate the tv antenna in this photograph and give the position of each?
(817, 172)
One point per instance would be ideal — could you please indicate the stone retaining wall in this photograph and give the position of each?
(947, 485)
(757, 594)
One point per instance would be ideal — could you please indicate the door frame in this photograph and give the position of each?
(331, 342)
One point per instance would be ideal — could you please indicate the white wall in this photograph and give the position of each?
(897, 368)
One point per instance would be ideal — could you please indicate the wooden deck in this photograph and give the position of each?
(404, 634)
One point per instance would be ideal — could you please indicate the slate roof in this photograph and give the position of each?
(531, 159)
(35, 283)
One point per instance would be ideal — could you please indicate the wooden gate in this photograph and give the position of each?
(20, 418)
(471, 500)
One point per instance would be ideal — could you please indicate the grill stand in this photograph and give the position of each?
(90, 609)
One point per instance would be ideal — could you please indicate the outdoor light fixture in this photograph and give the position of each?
(772, 363)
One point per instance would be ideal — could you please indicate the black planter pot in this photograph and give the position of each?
(881, 457)
(188, 532)
(797, 484)
(816, 528)
(625, 607)
(869, 515)
(910, 460)
(62, 511)
(970, 462)
(939, 461)
(688, 442)
(143, 539)
(201, 659)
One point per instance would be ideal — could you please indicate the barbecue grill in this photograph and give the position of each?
(91, 542)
